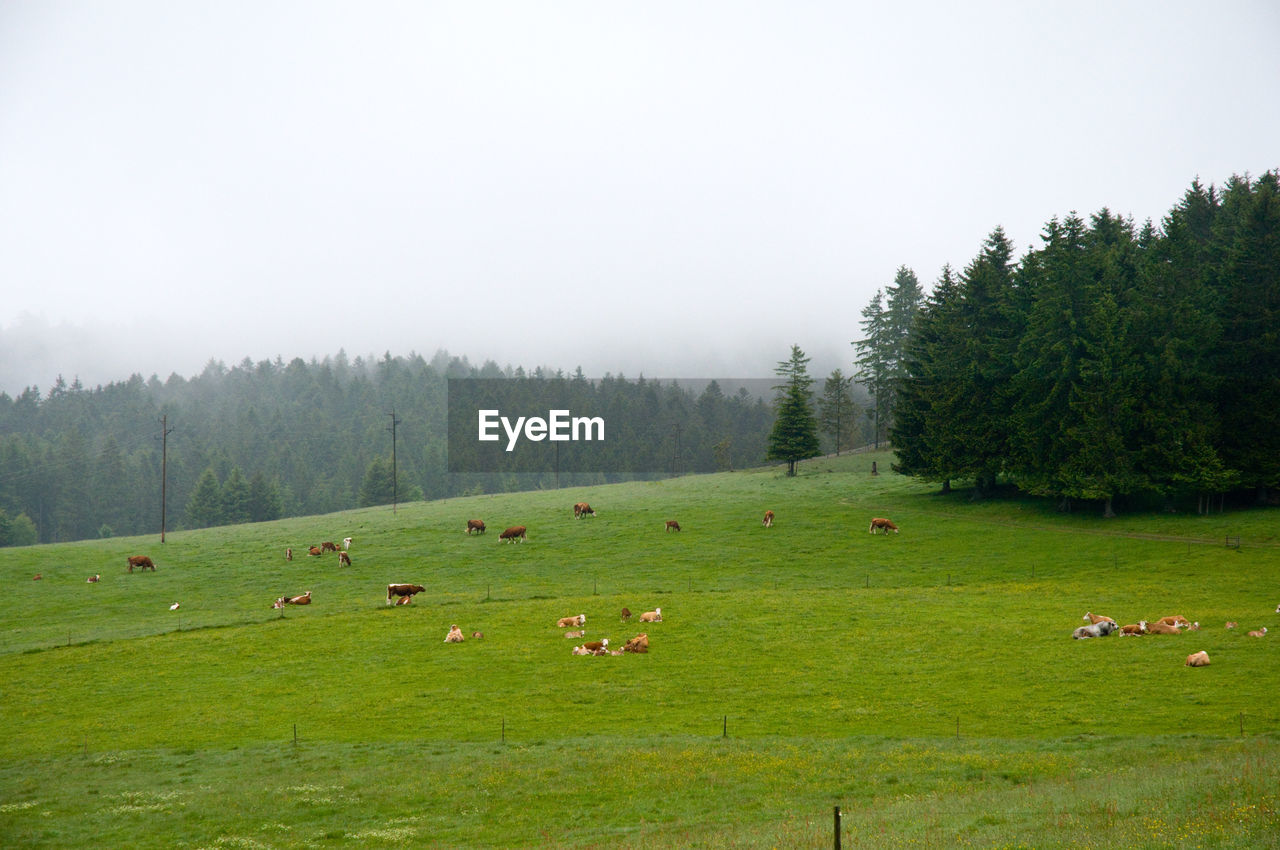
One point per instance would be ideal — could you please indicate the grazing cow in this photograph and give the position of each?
(1096, 618)
(328, 546)
(344, 560)
(142, 562)
(93, 579)
(768, 519)
(1139, 628)
(1198, 659)
(475, 525)
(569, 622)
(37, 577)
(883, 524)
(346, 543)
(582, 509)
(579, 633)
(1231, 624)
(1162, 629)
(672, 525)
(639, 643)
(403, 591)
(579, 650)
(454, 636)
(513, 534)
(404, 600)
(288, 554)
(1175, 620)
(314, 551)
(1259, 632)
(626, 614)
(1094, 630)
(654, 616)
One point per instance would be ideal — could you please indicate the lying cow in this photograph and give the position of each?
(304, 599)
(1159, 628)
(768, 519)
(672, 525)
(654, 616)
(454, 636)
(142, 562)
(596, 645)
(1094, 630)
(882, 524)
(579, 650)
(404, 600)
(1096, 618)
(1175, 620)
(1259, 632)
(515, 533)
(1198, 659)
(403, 591)
(579, 633)
(475, 525)
(1139, 628)
(570, 622)
(314, 551)
(639, 643)
(93, 579)
(582, 509)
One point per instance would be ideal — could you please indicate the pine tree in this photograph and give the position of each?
(376, 489)
(235, 499)
(264, 499)
(874, 362)
(836, 408)
(204, 509)
(795, 433)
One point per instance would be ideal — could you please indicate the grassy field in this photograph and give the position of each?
(925, 682)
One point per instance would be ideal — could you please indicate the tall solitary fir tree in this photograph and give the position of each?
(795, 432)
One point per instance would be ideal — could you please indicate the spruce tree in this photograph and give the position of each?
(795, 433)
(836, 409)
(204, 508)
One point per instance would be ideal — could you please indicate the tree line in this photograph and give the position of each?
(270, 439)
(1112, 362)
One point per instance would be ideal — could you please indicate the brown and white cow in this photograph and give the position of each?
(639, 643)
(475, 525)
(344, 560)
(515, 533)
(314, 551)
(346, 543)
(654, 616)
(1139, 628)
(93, 579)
(596, 645)
(404, 600)
(304, 599)
(672, 525)
(768, 519)
(570, 622)
(454, 636)
(328, 546)
(1175, 620)
(288, 554)
(626, 614)
(882, 524)
(1259, 632)
(574, 635)
(1231, 624)
(1198, 659)
(403, 591)
(1159, 628)
(579, 650)
(582, 509)
(142, 562)
(1097, 618)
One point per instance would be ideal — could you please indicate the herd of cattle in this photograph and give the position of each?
(1174, 624)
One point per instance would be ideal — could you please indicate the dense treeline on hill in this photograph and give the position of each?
(263, 440)
(1112, 362)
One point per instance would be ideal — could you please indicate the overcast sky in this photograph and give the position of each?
(674, 188)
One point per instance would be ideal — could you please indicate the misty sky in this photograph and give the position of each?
(678, 188)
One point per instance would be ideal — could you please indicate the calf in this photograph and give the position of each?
(404, 600)
(403, 591)
(576, 634)
(142, 562)
(344, 560)
(288, 554)
(1094, 630)
(570, 622)
(93, 579)
(1198, 659)
(1259, 632)
(1231, 624)
(475, 525)
(1139, 628)
(768, 519)
(582, 509)
(883, 524)
(1096, 618)
(672, 525)
(454, 636)
(654, 616)
(346, 543)
(578, 650)
(515, 533)
(626, 612)
(478, 635)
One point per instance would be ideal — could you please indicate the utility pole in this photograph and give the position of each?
(394, 475)
(164, 470)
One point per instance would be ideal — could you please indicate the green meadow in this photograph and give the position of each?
(925, 683)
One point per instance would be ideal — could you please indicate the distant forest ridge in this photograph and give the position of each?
(264, 440)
